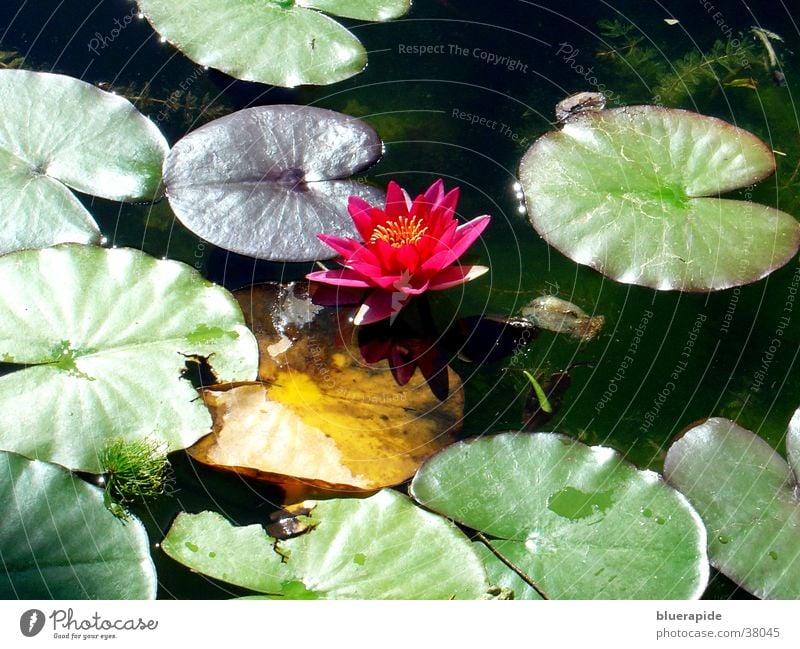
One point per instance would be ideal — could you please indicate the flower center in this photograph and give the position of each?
(402, 232)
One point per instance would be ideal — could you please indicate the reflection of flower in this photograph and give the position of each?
(405, 350)
(409, 248)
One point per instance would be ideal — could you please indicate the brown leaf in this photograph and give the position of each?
(322, 419)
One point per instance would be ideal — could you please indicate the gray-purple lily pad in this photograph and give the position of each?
(280, 42)
(632, 192)
(747, 495)
(59, 134)
(264, 182)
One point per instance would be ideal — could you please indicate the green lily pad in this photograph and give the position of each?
(793, 443)
(58, 540)
(748, 497)
(280, 42)
(266, 181)
(377, 10)
(500, 575)
(632, 193)
(579, 521)
(382, 547)
(104, 336)
(58, 134)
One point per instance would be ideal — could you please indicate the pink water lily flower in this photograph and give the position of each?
(409, 247)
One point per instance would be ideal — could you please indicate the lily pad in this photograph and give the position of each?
(266, 181)
(793, 443)
(323, 419)
(104, 336)
(59, 541)
(382, 547)
(579, 521)
(58, 134)
(748, 497)
(500, 575)
(632, 192)
(280, 42)
(376, 10)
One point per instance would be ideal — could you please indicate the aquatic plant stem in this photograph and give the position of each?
(482, 538)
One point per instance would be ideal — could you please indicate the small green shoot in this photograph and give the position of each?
(540, 395)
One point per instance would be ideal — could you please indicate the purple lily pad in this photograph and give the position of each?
(264, 182)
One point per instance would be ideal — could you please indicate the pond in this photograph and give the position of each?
(460, 91)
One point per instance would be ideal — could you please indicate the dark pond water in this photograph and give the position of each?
(456, 113)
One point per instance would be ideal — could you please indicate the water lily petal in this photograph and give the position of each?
(408, 289)
(330, 295)
(387, 258)
(446, 207)
(408, 257)
(340, 277)
(439, 239)
(464, 236)
(455, 275)
(344, 246)
(402, 283)
(421, 209)
(402, 364)
(365, 262)
(360, 212)
(468, 232)
(435, 192)
(375, 350)
(433, 365)
(406, 284)
(379, 305)
(374, 273)
(398, 202)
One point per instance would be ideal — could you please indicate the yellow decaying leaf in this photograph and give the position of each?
(255, 431)
(322, 419)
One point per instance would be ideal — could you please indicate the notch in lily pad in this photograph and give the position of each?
(634, 193)
(60, 134)
(749, 499)
(279, 42)
(263, 182)
(101, 339)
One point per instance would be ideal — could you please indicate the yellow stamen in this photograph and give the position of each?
(405, 230)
